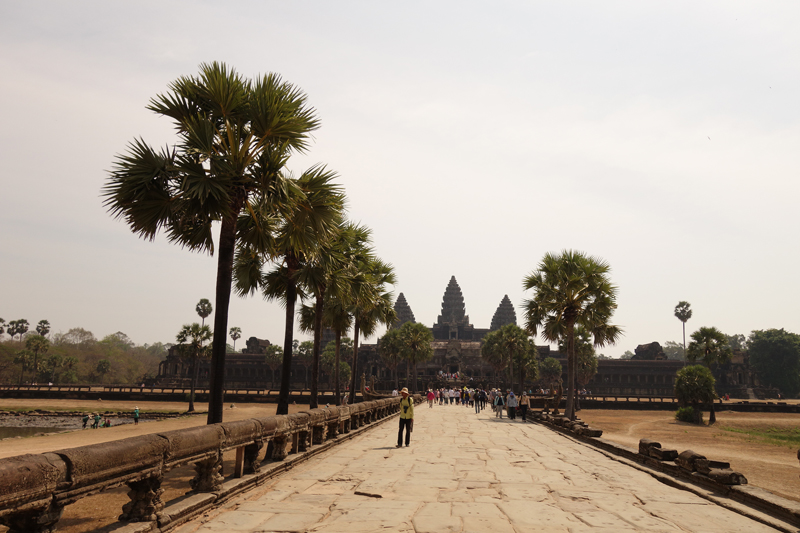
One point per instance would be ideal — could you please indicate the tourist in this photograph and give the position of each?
(524, 403)
(512, 405)
(476, 399)
(394, 392)
(431, 397)
(499, 405)
(136, 416)
(406, 417)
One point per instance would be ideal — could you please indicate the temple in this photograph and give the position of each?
(457, 350)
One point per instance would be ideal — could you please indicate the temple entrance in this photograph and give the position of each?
(453, 369)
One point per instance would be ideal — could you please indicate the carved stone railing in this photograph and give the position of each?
(35, 488)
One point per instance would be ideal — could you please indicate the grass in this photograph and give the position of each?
(789, 437)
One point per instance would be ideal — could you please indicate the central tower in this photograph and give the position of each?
(453, 323)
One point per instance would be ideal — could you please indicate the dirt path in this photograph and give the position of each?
(770, 466)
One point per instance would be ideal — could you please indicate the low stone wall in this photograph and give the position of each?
(34, 489)
(688, 466)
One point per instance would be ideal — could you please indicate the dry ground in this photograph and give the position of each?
(767, 465)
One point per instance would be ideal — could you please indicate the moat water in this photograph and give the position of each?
(7, 432)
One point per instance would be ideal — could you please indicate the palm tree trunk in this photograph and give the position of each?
(286, 369)
(195, 370)
(569, 411)
(415, 376)
(227, 244)
(315, 354)
(336, 386)
(511, 369)
(354, 369)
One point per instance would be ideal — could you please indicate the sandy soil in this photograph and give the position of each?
(766, 465)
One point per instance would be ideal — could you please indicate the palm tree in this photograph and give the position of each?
(683, 313)
(203, 308)
(305, 358)
(585, 359)
(291, 234)
(236, 334)
(18, 327)
(191, 345)
(506, 346)
(24, 358)
(571, 289)
(2, 327)
(235, 135)
(712, 348)
(43, 328)
(336, 315)
(36, 344)
(371, 303)
(329, 278)
(415, 346)
(389, 350)
(273, 358)
(54, 362)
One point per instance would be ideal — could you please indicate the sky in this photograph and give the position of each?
(472, 137)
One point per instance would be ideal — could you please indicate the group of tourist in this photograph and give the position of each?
(478, 398)
(96, 419)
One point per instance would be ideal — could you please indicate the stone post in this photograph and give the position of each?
(207, 475)
(36, 518)
(145, 495)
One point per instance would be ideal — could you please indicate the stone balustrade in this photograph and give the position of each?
(34, 489)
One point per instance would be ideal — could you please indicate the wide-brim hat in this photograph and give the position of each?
(404, 390)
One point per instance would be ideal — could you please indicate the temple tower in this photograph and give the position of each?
(453, 323)
(504, 315)
(403, 310)
(453, 309)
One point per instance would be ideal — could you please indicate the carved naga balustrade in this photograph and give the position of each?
(35, 488)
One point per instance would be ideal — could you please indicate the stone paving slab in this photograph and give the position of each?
(468, 473)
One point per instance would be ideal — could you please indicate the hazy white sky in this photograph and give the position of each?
(473, 137)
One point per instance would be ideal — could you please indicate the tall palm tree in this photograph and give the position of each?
(236, 334)
(191, 345)
(235, 136)
(292, 234)
(571, 289)
(204, 308)
(36, 344)
(43, 328)
(683, 313)
(506, 346)
(336, 315)
(389, 350)
(371, 304)
(711, 347)
(415, 346)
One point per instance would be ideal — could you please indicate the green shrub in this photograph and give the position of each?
(687, 414)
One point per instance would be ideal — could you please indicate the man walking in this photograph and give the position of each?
(406, 417)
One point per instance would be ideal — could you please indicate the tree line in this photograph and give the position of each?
(284, 237)
(76, 356)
